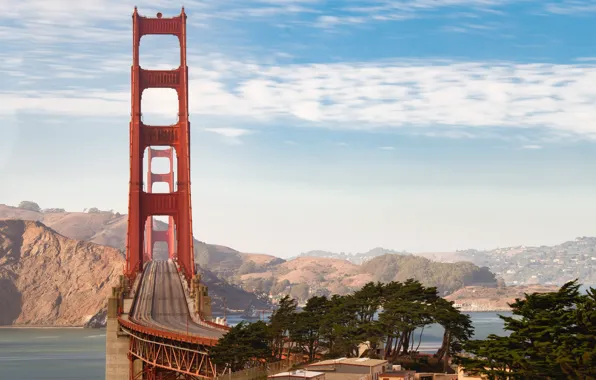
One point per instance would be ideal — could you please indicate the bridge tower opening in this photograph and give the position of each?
(143, 205)
(153, 235)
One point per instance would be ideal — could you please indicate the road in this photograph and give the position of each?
(161, 302)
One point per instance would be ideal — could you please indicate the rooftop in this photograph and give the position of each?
(365, 362)
(298, 374)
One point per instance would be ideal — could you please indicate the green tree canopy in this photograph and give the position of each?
(242, 346)
(553, 336)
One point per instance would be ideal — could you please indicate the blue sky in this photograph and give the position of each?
(424, 125)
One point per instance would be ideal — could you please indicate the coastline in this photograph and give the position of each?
(484, 310)
(45, 327)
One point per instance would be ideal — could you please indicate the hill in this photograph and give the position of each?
(356, 258)
(525, 265)
(265, 274)
(306, 276)
(48, 279)
(109, 229)
(476, 298)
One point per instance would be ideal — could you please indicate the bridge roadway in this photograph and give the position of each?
(161, 303)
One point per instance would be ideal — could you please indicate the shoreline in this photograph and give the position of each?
(484, 311)
(46, 327)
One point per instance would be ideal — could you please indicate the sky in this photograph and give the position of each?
(418, 125)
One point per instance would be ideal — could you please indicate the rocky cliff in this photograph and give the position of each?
(47, 279)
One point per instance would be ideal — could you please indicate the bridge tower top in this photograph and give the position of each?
(177, 203)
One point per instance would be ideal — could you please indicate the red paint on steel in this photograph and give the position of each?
(153, 236)
(172, 356)
(177, 204)
(167, 334)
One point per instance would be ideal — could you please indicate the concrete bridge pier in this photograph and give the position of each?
(117, 342)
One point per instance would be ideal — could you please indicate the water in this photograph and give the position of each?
(48, 353)
(45, 354)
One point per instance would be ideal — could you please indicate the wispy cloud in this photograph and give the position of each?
(365, 95)
(532, 147)
(230, 135)
(387, 148)
(569, 7)
(398, 10)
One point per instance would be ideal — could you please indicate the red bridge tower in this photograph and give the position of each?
(176, 204)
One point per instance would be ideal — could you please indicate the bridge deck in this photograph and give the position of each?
(161, 303)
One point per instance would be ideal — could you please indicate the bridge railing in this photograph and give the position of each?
(258, 372)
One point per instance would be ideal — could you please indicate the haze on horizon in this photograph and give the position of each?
(416, 125)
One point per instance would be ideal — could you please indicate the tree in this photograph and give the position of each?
(457, 326)
(367, 302)
(281, 324)
(553, 336)
(243, 346)
(407, 306)
(94, 210)
(29, 205)
(340, 327)
(308, 328)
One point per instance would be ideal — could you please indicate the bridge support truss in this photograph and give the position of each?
(163, 358)
(176, 204)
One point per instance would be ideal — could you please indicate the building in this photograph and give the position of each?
(463, 374)
(401, 375)
(350, 368)
(435, 376)
(298, 374)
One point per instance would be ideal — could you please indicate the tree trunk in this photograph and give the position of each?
(406, 344)
(388, 346)
(420, 338)
(444, 345)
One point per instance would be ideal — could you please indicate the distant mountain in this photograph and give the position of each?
(356, 258)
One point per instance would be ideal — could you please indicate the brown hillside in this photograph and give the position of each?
(48, 279)
(334, 275)
(483, 298)
(106, 228)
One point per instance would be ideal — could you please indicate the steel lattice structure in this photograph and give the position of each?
(176, 204)
(175, 357)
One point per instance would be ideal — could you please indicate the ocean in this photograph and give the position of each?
(79, 354)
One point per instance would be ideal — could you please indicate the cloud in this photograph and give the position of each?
(230, 135)
(387, 148)
(80, 66)
(357, 96)
(532, 147)
(571, 7)
(398, 10)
